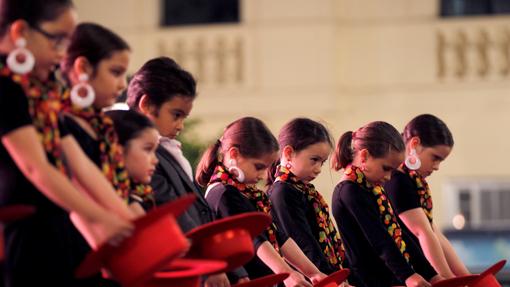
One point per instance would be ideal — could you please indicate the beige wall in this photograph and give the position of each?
(342, 62)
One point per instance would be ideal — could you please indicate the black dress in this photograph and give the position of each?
(374, 258)
(226, 200)
(294, 214)
(403, 193)
(45, 248)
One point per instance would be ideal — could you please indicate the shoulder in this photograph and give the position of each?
(283, 190)
(349, 192)
(10, 91)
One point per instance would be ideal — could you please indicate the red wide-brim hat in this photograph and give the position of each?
(487, 278)
(334, 279)
(460, 281)
(229, 239)
(266, 281)
(184, 273)
(157, 239)
(15, 212)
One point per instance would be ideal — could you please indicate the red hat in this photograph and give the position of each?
(15, 212)
(460, 281)
(228, 239)
(157, 240)
(266, 281)
(334, 279)
(487, 278)
(184, 273)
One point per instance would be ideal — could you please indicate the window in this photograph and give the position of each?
(199, 12)
(459, 8)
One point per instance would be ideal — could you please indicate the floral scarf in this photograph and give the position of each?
(329, 238)
(257, 197)
(143, 194)
(44, 105)
(388, 218)
(423, 191)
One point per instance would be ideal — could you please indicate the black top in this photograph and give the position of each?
(295, 216)
(88, 144)
(374, 257)
(45, 248)
(226, 200)
(403, 193)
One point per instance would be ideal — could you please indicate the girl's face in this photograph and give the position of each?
(307, 163)
(140, 155)
(169, 118)
(109, 79)
(49, 41)
(379, 170)
(255, 169)
(431, 157)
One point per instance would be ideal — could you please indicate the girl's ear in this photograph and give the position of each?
(287, 153)
(146, 107)
(82, 65)
(364, 154)
(18, 29)
(233, 153)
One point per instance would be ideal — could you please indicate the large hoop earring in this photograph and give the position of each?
(236, 171)
(82, 94)
(21, 60)
(412, 161)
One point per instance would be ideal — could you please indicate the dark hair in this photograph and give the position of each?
(129, 124)
(95, 43)
(379, 138)
(32, 11)
(430, 129)
(299, 133)
(250, 135)
(160, 79)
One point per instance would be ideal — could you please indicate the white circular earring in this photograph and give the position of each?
(412, 161)
(82, 94)
(236, 171)
(21, 60)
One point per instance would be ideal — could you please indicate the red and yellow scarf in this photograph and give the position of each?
(388, 217)
(423, 190)
(329, 238)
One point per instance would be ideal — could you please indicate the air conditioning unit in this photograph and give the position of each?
(477, 204)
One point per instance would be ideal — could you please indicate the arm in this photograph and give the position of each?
(298, 259)
(24, 148)
(272, 259)
(289, 212)
(452, 258)
(419, 225)
(92, 180)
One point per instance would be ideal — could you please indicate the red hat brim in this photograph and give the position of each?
(334, 279)
(184, 273)
(487, 278)
(266, 281)
(213, 240)
(460, 281)
(494, 269)
(95, 259)
(15, 212)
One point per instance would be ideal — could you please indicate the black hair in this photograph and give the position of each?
(379, 138)
(95, 43)
(299, 134)
(160, 79)
(430, 129)
(32, 11)
(129, 124)
(250, 135)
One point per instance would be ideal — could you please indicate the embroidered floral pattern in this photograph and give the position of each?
(329, 238)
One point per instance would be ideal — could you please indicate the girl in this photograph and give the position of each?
(428, 142)
(379, 253)
(298, 207)
(230, 168)
(96, 65)
(41, 250)
(139, 139)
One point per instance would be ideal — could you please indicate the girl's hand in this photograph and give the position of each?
(416, 280)
(137, 209)
(217, 280)
(295, 279)
(317, 277)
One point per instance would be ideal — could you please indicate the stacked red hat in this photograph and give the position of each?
(334, 279)
(487, 278)
(460, 281)
(184, 273)
(156, 241)
(229, 239)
